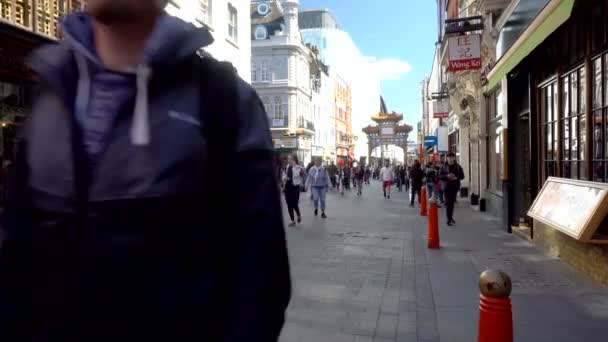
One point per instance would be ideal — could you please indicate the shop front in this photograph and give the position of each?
(342, 156)
(548, 127)
(17, 84)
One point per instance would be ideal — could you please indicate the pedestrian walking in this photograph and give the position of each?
(430, 178)
(397, 171)
(294, 181)
(452, 174)
(345, 177)
(368, 174)
(359, 176)
(406, 178)
(318, 180)
(333, 174)
(416, 175)
(442, 183)
(134, 148)
(387, 176)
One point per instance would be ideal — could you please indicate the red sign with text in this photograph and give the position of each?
(464, 52)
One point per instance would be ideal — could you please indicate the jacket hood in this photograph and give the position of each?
(172, 41)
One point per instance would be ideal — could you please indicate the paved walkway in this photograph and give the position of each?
(365, 274)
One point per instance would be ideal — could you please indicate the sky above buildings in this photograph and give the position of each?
(398, 38)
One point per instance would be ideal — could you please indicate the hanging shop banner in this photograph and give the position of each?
(442, 139)
(441, 109)
(464, 52)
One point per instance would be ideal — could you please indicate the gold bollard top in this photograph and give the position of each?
(495, 284)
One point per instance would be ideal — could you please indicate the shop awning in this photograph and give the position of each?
(550, 18)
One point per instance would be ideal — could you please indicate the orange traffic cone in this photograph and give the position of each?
(495, 315)
(433, 228)
(423, 201)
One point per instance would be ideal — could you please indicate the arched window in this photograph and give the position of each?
(267, 105)
(278, 108)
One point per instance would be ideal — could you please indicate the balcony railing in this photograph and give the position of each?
(306, 124)
(278, 122)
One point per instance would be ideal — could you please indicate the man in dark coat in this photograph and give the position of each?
(135, 217)
(451, 174)
(416, 175)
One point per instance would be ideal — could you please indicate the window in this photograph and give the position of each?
(549, 110)
(232, 23)
(204, 12)
(23, 12)
(267, 105)
(264, 74)
(573, 125)
(6, 9)
(600, 121)
(278, 108)
(495, 141)
(48, 13)
(254, 71)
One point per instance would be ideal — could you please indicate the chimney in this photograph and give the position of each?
(290, 8)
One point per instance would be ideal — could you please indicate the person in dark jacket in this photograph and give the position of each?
(294, 179)
(332, 169)
(451, 174)
(130, 155)
(416, 175)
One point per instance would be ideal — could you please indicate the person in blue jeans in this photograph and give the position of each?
(318, 181)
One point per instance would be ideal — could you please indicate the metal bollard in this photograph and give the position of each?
(433, 225)
(495, 314)
(423, 201)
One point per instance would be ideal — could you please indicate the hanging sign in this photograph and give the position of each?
(465, 52)
(440, 109)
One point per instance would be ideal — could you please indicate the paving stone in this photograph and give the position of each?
(365, 274)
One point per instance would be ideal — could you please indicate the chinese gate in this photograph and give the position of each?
(388, 131)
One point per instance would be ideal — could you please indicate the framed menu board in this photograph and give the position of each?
(573, 207)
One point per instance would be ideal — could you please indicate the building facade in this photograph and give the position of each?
(25, 25)
(320, 28)
(547, 95)
(343, 117)
(475, 138)
(323, 110)
(229, 22)
(281, 74)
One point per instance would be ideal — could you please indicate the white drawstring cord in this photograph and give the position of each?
(84, 87)
(140, 126)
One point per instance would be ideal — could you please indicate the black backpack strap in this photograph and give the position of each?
(219, 107)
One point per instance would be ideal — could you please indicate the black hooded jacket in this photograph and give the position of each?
(144, 248)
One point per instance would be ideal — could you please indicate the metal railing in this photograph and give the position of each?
(306, 124)
(278, 122)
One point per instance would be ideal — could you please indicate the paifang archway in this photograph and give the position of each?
(388, 131)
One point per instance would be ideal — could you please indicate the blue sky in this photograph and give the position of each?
(400, 34)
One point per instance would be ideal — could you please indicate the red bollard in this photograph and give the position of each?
(495, 314)
(423, 201)
(433, 225)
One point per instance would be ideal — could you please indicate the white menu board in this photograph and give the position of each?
(571, 206)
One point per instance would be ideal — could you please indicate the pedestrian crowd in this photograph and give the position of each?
(440, 178)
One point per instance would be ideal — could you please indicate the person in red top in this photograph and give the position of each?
(386, 176)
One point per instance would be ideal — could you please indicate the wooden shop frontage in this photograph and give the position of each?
(24, 26)
(552, 83)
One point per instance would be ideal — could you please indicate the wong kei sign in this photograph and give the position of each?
(464, 52)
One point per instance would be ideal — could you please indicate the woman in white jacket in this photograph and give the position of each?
(293, 179)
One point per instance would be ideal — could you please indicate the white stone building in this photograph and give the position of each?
(319, 27)
(281, 74)
(230, 24)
